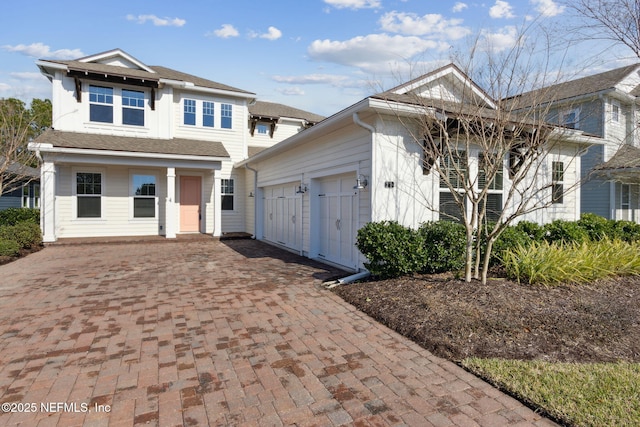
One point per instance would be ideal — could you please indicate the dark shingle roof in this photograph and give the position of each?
(22, 170)
(274, 110)
(177, 146)
(160, 73)
(627, 157)
(571, 89)
(255, 150)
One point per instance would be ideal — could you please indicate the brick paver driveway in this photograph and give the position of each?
(217, 333)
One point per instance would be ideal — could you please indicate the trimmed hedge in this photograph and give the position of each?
(25, 234)
(12, 216)
(9, 248)
(444, 242)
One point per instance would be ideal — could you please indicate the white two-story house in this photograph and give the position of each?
(146, 150)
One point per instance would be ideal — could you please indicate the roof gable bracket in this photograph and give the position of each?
(78, 89)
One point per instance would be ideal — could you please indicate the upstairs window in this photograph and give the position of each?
(557, 182)
(190, 112)
(101, 104)
(570, 118)
(207, 114)
(132, 107)
(226, 116)
(615, 112)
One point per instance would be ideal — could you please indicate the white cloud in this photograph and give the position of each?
(504, 39)
(459, 7)
(501, 9)
(548, 8)
(272, 34)
(226, 31)
(371, 52)
(429, 24)
(354, 4)
(41, 50)
(291, 91)
(311, 79)
(158, 22)
(4, 87)
(27, 75)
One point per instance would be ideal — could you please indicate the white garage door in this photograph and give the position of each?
(282, 208)
(337, 220)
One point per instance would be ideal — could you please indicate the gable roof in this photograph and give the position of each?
(154, 73)
(574, 88)
(276, 111)
(176, 146)
(449, 71)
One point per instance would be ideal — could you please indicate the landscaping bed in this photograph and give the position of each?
(504, 319)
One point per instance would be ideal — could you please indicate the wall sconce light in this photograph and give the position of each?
(361, 183)
(251, 194)
(302, 189)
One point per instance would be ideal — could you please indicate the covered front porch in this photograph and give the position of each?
(623, 173)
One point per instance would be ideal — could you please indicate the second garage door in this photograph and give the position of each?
(282, 208)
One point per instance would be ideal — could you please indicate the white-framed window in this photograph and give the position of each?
(207, 114)
(615, 111)
(557, 182)
(36, 195)
(144, 201)
(88, 192)
(454, 167)
(494, 188)
(25, 196)
(227, 195)
(100, 104)
(132, 107)
(226, 116)
(262, 128)
(570, 118)
(190, 112)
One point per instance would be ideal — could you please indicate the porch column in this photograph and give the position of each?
(48, 202)
(217, 212)
(170, 205)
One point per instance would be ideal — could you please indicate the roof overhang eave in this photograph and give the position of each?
(191, 86)
(43, 147)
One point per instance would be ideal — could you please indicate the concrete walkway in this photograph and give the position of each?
(213, 333)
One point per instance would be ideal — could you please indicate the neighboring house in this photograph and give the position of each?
(25, 191)
(604, 105)
(317, 188)
(143, 150)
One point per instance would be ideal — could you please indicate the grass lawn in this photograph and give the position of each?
(584, 394)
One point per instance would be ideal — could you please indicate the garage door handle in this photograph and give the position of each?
(270, 216)
(293, 219)
(338, 224)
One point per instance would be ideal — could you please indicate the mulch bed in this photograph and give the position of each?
(505, 319)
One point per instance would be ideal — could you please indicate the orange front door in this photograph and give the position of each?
(190, 190)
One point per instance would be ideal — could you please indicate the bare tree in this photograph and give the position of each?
(614, 20)
(496, 156)
(18, 125)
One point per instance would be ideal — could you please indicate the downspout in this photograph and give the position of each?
(255, 201)
(372, 130)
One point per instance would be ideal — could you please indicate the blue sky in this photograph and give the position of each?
(318, 55)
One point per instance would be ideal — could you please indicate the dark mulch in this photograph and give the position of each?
(23, 253)
(504, 319)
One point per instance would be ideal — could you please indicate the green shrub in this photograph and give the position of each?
(392, 250)
(533, 230)
(9, 248)
(444, 243)
(12, 216)
(26, 234)
(596, 227)
(628, 231)
(556, 263)
(511, 237)
(562, 231)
